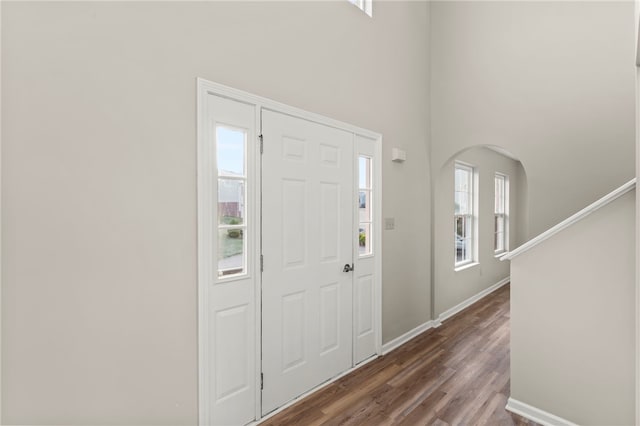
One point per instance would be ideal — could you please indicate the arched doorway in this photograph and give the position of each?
(466, 262)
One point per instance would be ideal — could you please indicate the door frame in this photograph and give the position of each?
(205, 88)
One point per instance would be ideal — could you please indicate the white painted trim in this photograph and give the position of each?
(202, 199)
(260, 102)
(466, 266)
(473, 299)
(629, 186)
(535, 414)
(312, 391)
(401, 340)
(257, 200)
(377, 234)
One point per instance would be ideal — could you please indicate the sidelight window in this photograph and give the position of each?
(365, 210)
(231, 146)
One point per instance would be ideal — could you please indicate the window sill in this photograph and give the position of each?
(500, 254)
(465, 266)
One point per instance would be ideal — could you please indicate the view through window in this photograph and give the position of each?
(365, 212)
(463, 215)
(231, 147)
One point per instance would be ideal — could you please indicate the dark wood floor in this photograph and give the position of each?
(457, 374)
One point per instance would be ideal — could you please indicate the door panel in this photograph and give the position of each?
(293, 214)
(329, 317)
(364, 306)
(233, 348)
(226, 278)
(329, 221)
(307, 238)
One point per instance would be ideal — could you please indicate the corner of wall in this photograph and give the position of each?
(637, 286)
(432, 175)
(1, 5)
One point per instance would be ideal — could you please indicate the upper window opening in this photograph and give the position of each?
(463, 215)
(365, 5)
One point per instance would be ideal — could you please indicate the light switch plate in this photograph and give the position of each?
(389, 223)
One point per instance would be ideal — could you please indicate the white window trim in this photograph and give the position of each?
(246, 225)
(505, 249)
(467, 265)
(473, 260)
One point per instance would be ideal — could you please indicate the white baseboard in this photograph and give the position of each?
(401, 340)
(398, 341)
(535, 414)
(473, 299)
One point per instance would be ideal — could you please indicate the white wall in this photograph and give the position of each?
(99, 175)
(453, 287)
(573, 320)
(552, 82)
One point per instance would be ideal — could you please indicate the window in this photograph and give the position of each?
(365, 5)
(231, 145)
(365, 211)
(463, 215)
(501, 216)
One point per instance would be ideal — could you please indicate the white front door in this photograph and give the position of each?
(308, 237)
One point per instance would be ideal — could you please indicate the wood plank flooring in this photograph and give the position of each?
(457, 374)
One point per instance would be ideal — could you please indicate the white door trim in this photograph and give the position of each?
(204, 196)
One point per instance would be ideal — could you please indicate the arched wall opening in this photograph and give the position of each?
(453, 285)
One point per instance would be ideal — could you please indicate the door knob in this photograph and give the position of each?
(348, 268)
